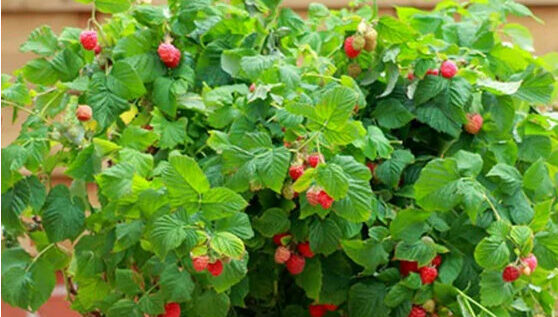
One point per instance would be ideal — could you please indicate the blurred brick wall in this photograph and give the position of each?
(20, 17)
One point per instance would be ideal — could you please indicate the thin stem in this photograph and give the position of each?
(484, 309)
(43, 251)
(310, 139)
(15, 105)
(492, 207)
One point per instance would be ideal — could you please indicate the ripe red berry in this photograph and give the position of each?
(433, 72)
(410, 76)
(200, 263)
(295, 264)
(171, 310)
(349, 49)
(448, 69)
(278, 237)
(428, 274)
(84, 113)
(417, 311)
(325, 200)
(406, 267)
(88, 40)
(295, 171)
(169, 54)
(147, 127)
(317, 310)
(304, 249)
(530, 264)
(511, 273)
(97, 49)
(312, 195)
(474, 123)
(215, 268)
(282, 255)
(330, 307)
(437, 261)
(253, 88)
(315, 159)
(371, 166)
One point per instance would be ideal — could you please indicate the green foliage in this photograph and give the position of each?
(194, 161)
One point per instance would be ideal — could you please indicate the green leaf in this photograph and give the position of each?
(367, 300)
(389, 171)
(127, 281)
(421, 251)
(509, 178)
(272, 222)
(212, 304)
(468, 164)
(374, 144)
(67, 64)
(226, 243)
(237, 224)
(127, 235)
(106, 105)
(332, 178)
(28, 289)
(168, 233)
(536, 181)
(86, 164)
(137, 138)
(523, 237)
(40, 71)
(116, 182)
(112, 6)
(220, 202)
(392, 114)
(152, 304)
(492, 253)
(63, 216)
(537, 88)
(310, 280)
(163, 97)
(451, 268)
(437, 186)
(177, 286)
(336, 106)
(192, 178)
(409, 224)
(233, 272)
(392, 30)
(143, 162)
(369, 253)
(324, 236)
(41, 41)
(498, 87)
(546, 250)
(124, 306)
(124, 81)
(172, 133)
(494, 291)
(428, 88)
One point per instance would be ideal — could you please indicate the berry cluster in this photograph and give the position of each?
(428, 274)
(315, 194)
(89, 42)
(365, 38)
(291, 254)
(201, 263)
(318, 310)
(513, 272)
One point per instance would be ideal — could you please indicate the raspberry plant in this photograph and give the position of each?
(248, 162)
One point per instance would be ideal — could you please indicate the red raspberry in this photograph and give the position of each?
(371, 166)
(253, 88)
(410, 76)
(355, 109)
(215, 268)
(200, 263)
(530, 264)
(295, 171)
(278, 237)
(97, 49)
(315, 159)
(171, 310)
(406, 267)
(147, 127)
(474, 123)
(428, 274)
(325, 200)
(304, 250)
(312, 195)
(349, 49)
(282, 255)
(84, 113)
(169, 54)
(330, 307)
(88, 39)
(417, 311)
(317, 310)
(295, 264)
(511, 273)
(433, 72)
(437, 261)
(448, 69)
